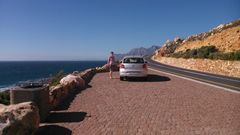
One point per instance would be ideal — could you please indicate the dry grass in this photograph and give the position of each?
(226, 41)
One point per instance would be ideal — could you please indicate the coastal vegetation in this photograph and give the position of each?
(5, 98)
(209, 52)
(55, 79)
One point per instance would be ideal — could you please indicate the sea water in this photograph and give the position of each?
(15, 71)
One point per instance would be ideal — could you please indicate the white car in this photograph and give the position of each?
(133, 66)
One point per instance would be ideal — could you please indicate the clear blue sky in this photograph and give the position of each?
(89, 29)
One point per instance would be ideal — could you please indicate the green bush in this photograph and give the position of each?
(5, 98)
(176, 55)
(225, 56)
(209, 52)
(55, 79)
(237, 55)
(205, 51)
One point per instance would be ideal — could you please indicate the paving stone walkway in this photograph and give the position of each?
(164, 105)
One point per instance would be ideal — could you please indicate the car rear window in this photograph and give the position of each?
(133, 60)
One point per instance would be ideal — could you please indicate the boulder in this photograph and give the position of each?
(55, 95)
(72, 80)
(19, 119)
(104, 68)
(169, 47)
(88, 74)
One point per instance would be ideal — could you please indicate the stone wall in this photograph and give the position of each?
(24, 119)
(221, 67)
(69, 84)
(105, 68)
(72, 83)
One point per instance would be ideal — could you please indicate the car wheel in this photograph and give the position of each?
(121, 78)
(145, 78)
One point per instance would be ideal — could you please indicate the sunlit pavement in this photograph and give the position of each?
(162, 105)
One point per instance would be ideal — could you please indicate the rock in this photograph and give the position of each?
(88, 74)
(169, 47)
(73, 80)
(2, 107)
(177, 39)
(67, 85)
(105, 68)
(101, 69)
(220, 26)
(76, 73)
(19, 119)
(168, 41)
(55, 95)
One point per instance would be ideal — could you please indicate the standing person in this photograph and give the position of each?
(111, 62)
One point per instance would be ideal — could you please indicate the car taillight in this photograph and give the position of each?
(122, 66)
(145, 66)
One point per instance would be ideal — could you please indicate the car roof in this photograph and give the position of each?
(132, 57)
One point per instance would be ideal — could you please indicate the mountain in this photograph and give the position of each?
(138, 52)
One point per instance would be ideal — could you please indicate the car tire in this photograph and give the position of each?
(145, 78)
(121, 78)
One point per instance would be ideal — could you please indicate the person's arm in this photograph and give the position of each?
(108, 60)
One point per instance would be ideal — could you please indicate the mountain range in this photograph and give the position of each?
(138, 52)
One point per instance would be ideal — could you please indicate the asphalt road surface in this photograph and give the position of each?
(218, 80)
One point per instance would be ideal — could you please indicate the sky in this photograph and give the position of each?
(90, 29)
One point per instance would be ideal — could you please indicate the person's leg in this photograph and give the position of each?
(110, 74)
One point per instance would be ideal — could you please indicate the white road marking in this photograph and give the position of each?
(198, 73)
(212, 85)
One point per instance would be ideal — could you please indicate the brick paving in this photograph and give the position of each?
(164, 105)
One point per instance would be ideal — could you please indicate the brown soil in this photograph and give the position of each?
(227, 40)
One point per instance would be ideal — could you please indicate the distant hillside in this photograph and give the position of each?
(216, 51)
(139, 52)
(225, 37)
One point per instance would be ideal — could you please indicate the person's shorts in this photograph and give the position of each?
(111, 67)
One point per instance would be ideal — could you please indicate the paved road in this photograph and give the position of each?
(164, 105)
(219, 80)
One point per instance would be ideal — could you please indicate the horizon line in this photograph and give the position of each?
(44, 60)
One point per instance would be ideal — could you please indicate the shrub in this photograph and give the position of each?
(237, 55)
(225, 56)
(55, 79)
(210, 52)
(5, 98)
(176, 55)
(205, 51)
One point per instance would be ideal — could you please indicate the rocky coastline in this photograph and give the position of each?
(24, 118)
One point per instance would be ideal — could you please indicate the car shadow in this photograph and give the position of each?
(53, 130)
(151, 78)
(63, 117)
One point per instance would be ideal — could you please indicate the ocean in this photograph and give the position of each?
(13, 72)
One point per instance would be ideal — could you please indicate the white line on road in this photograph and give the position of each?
(198, 73)
(226, 89)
